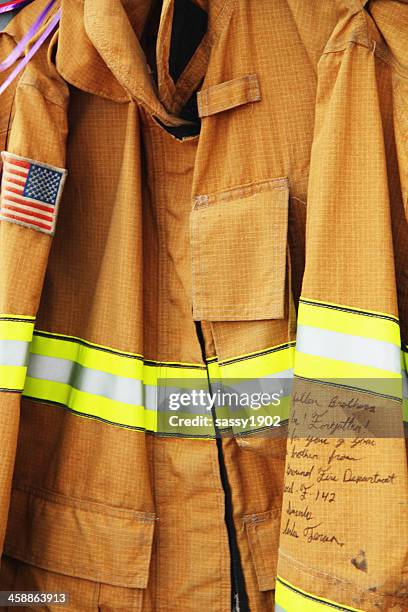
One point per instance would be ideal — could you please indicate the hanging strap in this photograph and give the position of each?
(21, 45)
(54, 21)
(10, 6)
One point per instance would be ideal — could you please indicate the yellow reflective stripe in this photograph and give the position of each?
(312, 366)
(55, 347)
(16, 330)
(244, 356)
(293, 599)
(12, 377)
(75, 340)
(376, 313)
(117, 364)
(178, 372)
(153, 375)
(354, 323)
(16, 317)
(214, 370)
(259, 366)
(115, 412)
(91, 405)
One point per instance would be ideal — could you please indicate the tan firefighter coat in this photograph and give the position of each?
(175, 214)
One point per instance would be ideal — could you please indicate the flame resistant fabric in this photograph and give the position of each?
(234, 209)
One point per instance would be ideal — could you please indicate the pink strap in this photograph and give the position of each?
(21, 45)
(33, 50)
(10, 6)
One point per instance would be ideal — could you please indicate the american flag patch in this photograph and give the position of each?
(30, 192)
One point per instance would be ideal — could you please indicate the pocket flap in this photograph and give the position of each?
(263, 537)
(80, 538)
(238, 243)
(228, 95)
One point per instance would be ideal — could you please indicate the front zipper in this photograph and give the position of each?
(239, 597)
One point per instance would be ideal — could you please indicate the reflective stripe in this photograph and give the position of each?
(12, 378)
(103, 383)
(130, 391)
(15, 337)
(96, 406)
(271, 372)
(348, 320)
(105, 359)
(16, 328)
(350, 348)
(94, 382)
(292, 599)
(129, 365)
(121, 388)
(271, 362)
(336, 342)
(13, 353)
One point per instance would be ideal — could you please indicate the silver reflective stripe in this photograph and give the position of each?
(14, 352)
(95, 382)
(150, 397)
(117, 388)
(279, 608)
(50, 368)
(349, 348)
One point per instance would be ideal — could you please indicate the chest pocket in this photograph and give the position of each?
(239, 244)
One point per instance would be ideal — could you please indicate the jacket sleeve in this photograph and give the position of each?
(32, 185)
(344, 533)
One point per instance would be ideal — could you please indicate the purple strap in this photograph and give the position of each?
(10, 6)
(21, 45)
(33, 50)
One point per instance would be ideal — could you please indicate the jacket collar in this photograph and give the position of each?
(99, 50)
(109, 29)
